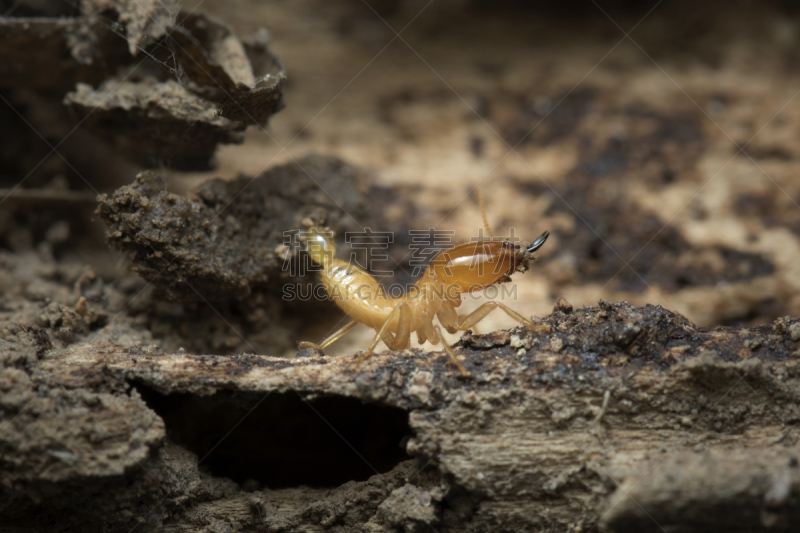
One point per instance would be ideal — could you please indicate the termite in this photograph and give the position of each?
(465, 268)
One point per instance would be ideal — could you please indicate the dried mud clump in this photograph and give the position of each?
(229, 238)
(162, 86)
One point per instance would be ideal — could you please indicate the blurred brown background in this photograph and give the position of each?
(664, 161)
(656, 141)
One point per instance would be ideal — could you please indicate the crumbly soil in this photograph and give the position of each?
(149, 376)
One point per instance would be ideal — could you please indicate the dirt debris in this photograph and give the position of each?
(67, 300)
(409, 508)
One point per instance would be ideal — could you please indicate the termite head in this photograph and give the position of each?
(319, 245)
(476, 265)
(525, 253)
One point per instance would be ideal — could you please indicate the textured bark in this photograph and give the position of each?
(625, 417)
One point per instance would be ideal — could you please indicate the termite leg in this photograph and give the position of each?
(437, 337)
(448, 317)
(480, 313)
(387, 338)
(327, 341)
(403, 331)
(403, 313)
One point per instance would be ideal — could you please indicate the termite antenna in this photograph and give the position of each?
(539, 242)
(483, 213)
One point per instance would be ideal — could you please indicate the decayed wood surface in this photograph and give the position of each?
(623, 417)
(620, 419)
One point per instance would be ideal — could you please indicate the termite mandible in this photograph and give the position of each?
(464, 268)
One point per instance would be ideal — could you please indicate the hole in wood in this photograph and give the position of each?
(284, 441)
